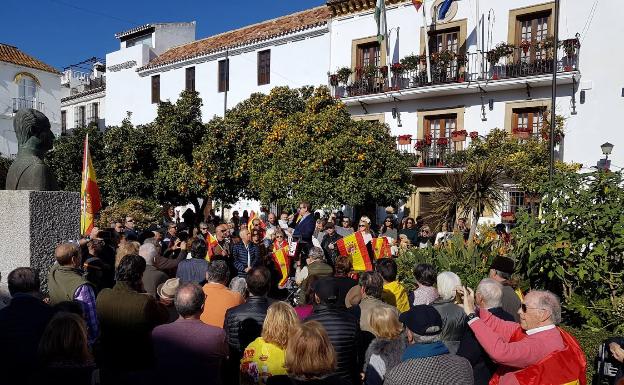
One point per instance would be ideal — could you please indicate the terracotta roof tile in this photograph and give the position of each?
(13, 55)
(247, 35)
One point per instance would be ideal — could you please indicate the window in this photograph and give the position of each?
(224, 75)
(80, 116)
(190, 79)
(27, 90)
(63, 122)
(264, 67)
(532, 28)
(156, 89)
(528, 119)
(438, 127)
(367, 54)
(145, 39)
(94, 113)
(445, 40)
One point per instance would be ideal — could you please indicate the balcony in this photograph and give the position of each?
(429, 153)
(21, 103)
(453, 72)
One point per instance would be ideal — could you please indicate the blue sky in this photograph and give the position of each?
(64, 32)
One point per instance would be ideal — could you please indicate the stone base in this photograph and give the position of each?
(34, 223)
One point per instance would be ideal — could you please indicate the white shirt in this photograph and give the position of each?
(540, 329)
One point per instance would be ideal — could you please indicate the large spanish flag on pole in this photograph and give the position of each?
(90, 202)
(282, 262)
(354, 247)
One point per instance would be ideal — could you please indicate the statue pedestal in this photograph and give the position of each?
(34, 223)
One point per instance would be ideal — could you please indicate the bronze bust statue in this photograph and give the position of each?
(34, 139)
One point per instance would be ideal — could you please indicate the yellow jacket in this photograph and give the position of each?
(395, 294)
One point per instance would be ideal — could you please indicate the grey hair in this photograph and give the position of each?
(239, 285)
(491, 291)
(548, 301)
(502, 274)
(447, 281)
(203, 224)
(418, 339)
(189, 299)
(148, 252)
(218, 271)
(316, 254)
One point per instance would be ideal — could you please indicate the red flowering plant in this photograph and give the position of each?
(421, 145)
(525, 45)
(333, 80)
(397, 68)
(384, 71)
(474, 135)
(428, 139)
(458, 133)
(442, 142)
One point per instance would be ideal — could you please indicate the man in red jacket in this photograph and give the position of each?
(534, 352)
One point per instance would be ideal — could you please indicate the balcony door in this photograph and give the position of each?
(27, 93)
(529, 119)
(439, 126)
(443, 41)
(367, 54)
(532, 28)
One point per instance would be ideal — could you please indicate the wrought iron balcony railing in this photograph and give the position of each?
(21, 103)
(433, 155)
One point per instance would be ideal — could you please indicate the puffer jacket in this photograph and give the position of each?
(243, 323)
(343, 329)
(382, 355)
(454, 323)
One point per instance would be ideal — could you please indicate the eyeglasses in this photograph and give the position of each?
(130, 220)
(388, 221)
(362, 226)
(203, 228)
(524, 308)
(173, 227)
(345, 221)
(279, 236)
(409, 222)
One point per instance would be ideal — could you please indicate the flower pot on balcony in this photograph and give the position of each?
(567, 68)
(440, 164)
(459, 138)
(420, 164)
(460, 79)
(404, 139)
(507, 217)
(522, 134)
(495, 76)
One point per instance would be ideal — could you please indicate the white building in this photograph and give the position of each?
(26, 82)
(466, 91)
(84, 92)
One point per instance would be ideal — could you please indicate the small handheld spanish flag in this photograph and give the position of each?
(353, 246)
(381, 247)
(282, 262)
(213, 247)
(90, 201)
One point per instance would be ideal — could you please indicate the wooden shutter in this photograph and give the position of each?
(156, 89)
(224, 75)
(190, 79)
(264, 67)
(427, 128)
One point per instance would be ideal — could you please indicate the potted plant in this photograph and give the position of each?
(383, 70)
(411, 62)
(333, 80)
(343, 74)
(461, 76)
(445, 57)
(404, 139)
(570, 46)
(397, 69)
(474, 135)
(442, 142)
(507, 216)
(521, 133)
(459, 135)
(369, 71)
(525, 45)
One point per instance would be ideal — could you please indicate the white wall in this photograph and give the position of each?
(71, 108)
(172, 34)
(49, 93)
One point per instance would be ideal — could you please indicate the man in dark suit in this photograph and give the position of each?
(489, 296)
(21, 325)
(303, 224)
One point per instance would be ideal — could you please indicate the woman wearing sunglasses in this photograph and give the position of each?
(388, 229)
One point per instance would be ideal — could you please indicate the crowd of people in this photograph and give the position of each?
(124, 306)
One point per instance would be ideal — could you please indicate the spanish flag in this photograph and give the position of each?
(253, 216)
(353, 246)
(381, 247)
(90, 202)
(212, 243)
(282, 262)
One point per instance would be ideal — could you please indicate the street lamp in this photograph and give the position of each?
(605, 164)
(606, 149)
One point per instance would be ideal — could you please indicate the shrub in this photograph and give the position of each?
(144, 212)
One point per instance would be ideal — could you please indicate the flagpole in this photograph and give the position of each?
(424, 7)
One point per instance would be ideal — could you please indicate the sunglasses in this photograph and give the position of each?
(279, 236)
(388, 221)
(203, 228)
(524, 308)
(130, 220)
(362, 226)
(345, 221)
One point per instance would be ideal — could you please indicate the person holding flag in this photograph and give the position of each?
(90, 201)
(303, 224)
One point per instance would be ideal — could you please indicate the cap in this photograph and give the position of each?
(423, 320)
(504, 264)
(327, 290)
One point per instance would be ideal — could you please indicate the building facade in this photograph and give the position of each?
(26, 82)
(482, 65)
(84, 96)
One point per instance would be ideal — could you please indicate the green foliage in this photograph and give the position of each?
(470, 261)
(343, 74)
(127, 163)
(65, 159)
(410, 62)
(310, 149)
(144, 213)
(576, 246)
(5, 163)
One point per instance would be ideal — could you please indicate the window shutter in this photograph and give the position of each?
(156, 89)
(224, 75)
(264, 67)
(190, 79)
(514, 121)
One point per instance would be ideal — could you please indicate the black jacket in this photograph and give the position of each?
(482, 366)
(243, 324)
(343, 329)
(330, 254)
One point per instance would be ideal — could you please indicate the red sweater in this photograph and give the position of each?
(494, 335)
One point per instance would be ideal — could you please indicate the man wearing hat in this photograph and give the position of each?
(426, 359)
(342, 327)
(501, 271)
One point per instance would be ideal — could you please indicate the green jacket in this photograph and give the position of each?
(127, 318)
(63, 281)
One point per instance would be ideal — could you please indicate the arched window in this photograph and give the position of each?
(27, 87)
